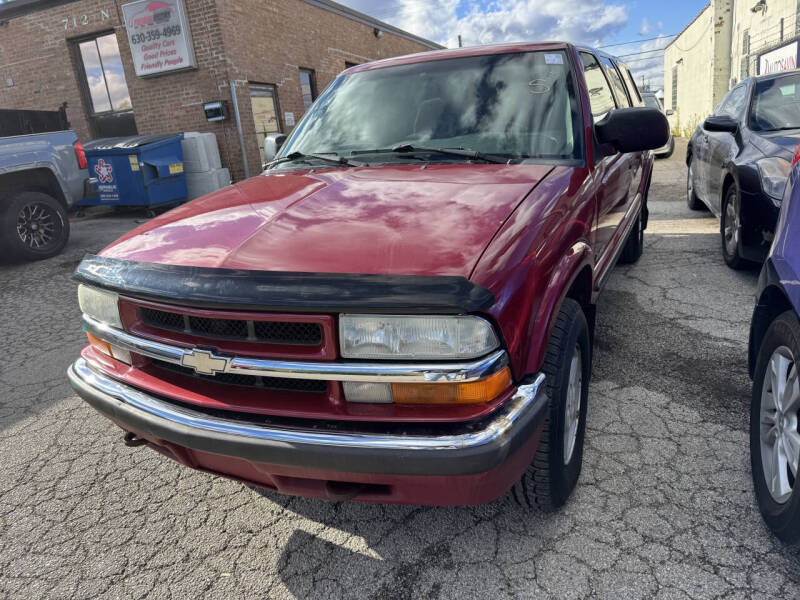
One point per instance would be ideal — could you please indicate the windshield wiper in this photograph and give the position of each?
(297, 156)
(462, 152)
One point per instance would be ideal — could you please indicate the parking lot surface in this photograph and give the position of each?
(664, 507)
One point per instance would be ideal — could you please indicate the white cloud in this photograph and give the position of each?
(645, 28)
(585, 21)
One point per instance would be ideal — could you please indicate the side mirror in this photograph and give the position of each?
(633, 129)
(720, 123)
(273, 143)
(670, 112)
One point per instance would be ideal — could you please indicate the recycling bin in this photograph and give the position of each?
(143, 170)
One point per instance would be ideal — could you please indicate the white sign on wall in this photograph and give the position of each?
(780, 59)
(158, 32)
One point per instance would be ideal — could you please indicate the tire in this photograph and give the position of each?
(692, 200)
(550, 479)
(634, 245)
(33, 226)
(778, 498)
(730, 232)
(671, 149)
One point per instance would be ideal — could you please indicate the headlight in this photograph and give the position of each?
(774, 171)
(415, 337)
(100, 305)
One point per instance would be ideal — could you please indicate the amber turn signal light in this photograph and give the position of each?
(99, 345)
(474, 392)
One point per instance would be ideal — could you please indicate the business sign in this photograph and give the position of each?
(158, 32)
(780, 59)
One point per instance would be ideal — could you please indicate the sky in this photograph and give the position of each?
(594, 22)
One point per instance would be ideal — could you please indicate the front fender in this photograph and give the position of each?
(578, 259)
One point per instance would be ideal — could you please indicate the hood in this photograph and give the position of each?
(405, 219)
(777, 143)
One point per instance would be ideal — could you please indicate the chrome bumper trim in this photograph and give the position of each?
(386, 372)
(503, 421)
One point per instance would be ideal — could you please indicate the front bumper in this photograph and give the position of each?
(478, 448)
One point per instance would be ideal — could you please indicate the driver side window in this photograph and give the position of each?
(733, 104)
(601, 99)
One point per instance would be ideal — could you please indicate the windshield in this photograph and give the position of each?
(651, 101)
(776, 104)
(514, 106)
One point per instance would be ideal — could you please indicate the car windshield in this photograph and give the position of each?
(776, 104)
(512, 106)
(651, 101)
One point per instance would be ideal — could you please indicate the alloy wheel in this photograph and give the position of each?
(779, 437)
(38, 226)
(731, 230)
(572, 410)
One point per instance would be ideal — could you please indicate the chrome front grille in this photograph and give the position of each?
(314, 386)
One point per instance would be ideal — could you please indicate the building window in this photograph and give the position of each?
(266, 114)
(674, 88)
(102, 80)
(746, 42)
(308, 87)
(105, 78)
(744, 71)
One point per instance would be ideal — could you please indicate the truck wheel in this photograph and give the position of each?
(774, 436)
(634, 245)
(691, 197)
(553, 474)
(33, 226)
(730, 231)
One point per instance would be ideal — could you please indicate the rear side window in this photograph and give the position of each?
(636, 97)
(600, 98)
(616, 82)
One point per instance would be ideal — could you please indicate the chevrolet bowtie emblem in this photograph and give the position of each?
(204, 362)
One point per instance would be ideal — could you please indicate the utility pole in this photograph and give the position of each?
(459, 40)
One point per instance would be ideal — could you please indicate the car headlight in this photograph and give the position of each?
(415, 337)
(100, 305)
(774, 171)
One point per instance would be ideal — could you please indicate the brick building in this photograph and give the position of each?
(277, 53)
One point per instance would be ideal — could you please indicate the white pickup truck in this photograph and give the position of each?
(41, 177)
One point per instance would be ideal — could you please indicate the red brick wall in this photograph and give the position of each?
(240, 40)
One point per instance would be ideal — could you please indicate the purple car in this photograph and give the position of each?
(773, 354)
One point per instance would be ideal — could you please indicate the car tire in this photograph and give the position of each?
(549, 480)
(671, 149)
(730, 230)
(33, 226)
(776, 488)
(634, 245)
(692, 200)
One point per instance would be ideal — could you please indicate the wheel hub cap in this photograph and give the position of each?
(572, 409)
(36, 225)
(780, 440)
(731, 229)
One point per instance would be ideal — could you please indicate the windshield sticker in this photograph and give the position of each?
(553, 59)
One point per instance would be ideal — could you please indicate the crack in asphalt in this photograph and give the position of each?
(664, 506)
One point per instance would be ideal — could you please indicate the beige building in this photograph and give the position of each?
(721, 46)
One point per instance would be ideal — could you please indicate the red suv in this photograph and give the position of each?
(400, 308)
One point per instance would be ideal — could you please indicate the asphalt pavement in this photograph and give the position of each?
(664, 506)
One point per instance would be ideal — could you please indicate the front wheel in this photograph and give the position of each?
(730, 230)
(774, 435)
(554, 472)
(33, 225)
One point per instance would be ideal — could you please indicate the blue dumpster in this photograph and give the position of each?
(143, 170)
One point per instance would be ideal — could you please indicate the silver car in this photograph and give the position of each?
(651, 100)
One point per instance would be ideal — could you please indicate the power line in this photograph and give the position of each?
(660, 37)
(639, 53)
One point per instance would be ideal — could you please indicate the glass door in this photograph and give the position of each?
(266, 115)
